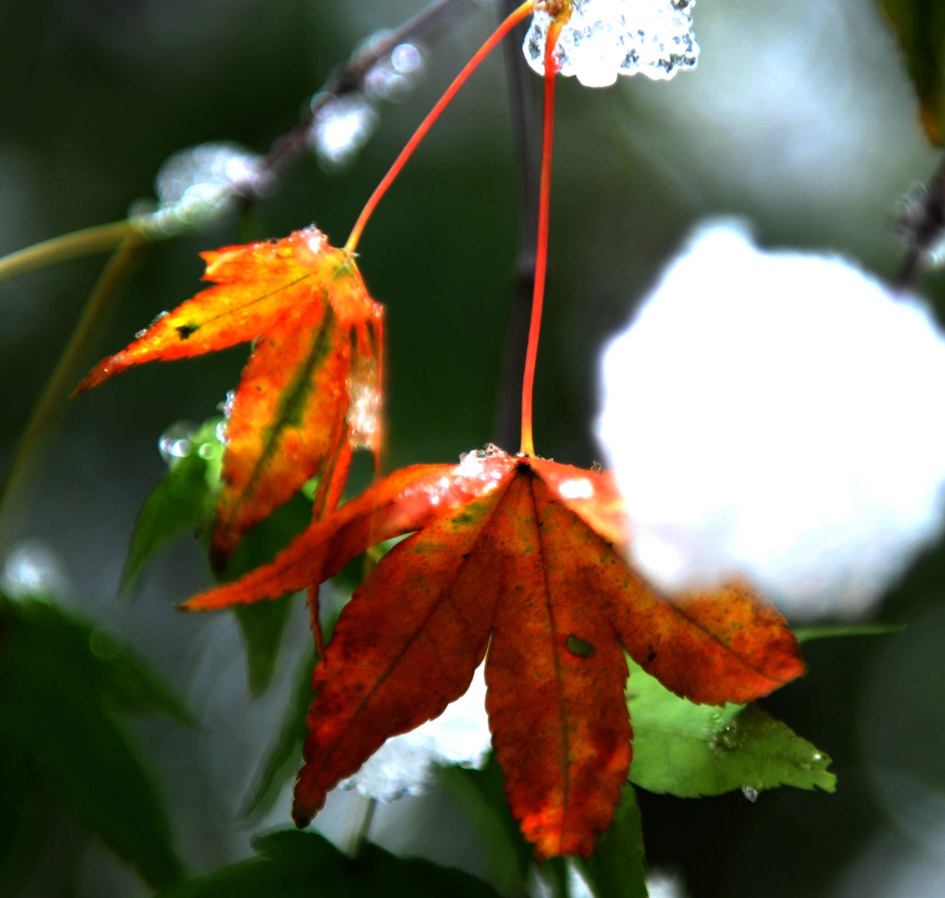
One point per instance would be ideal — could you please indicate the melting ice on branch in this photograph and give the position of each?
(341, 127)
(198, 184)
(607, 38)
(343, 124)
(776, 415)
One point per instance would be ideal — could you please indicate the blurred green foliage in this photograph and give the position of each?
(100, 93)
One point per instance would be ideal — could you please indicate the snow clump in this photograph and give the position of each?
(776, 415)
(607, 38)
(406, 764)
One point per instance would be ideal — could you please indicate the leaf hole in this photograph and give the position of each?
(580, 647)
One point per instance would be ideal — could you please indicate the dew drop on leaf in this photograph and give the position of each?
(175, 442)
(364, 408)
(581, 488)
(751, 793)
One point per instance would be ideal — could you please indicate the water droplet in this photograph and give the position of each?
(817, 756)
(364, 406)
(227, 405)
(197, 185)
(175, 442)
(341, 127)
(316, 241)
(751, 793)
(208, 450)
(220, 432)
(577, 489)
(32, 569)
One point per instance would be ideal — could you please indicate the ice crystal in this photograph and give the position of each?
(607, 38)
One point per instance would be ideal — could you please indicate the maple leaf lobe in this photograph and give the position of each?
(515, 557)
(315, 362)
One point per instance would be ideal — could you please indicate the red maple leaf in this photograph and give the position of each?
(514, 559)
(311, 388)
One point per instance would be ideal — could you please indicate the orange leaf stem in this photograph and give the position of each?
(495, 38)
(541, 256)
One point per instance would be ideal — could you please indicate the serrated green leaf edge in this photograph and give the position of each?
(689, 750)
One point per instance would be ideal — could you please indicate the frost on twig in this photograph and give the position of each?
(343, 124)
(775, 415)
(199, 184)
(607, 38)
(406, 764)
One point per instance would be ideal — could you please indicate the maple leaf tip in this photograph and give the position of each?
(90, 381)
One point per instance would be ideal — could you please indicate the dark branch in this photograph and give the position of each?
(923, 225)
(349, 78)
(523, 100)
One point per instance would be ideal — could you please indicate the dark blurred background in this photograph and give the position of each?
(799, 117)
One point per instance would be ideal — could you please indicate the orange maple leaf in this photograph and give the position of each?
(311, 388)
(514, 559)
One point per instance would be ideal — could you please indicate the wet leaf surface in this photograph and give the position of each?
(515, 555)
(311, 388)
(690, 750)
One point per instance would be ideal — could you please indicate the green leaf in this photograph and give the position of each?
(482, 796)
(183, 502)
(126, 681)
(302, 864)
(58, 698)
(286, 752)
(920, 28)
(263, 625)
(690, 750)
(22, 816)
(616, 869)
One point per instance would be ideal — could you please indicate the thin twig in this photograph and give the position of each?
(285, 150)
(87, 242)
(523, 101)
(507, 25)
(67, 368)
(364, 829)
(350, 78)
(924, 225)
